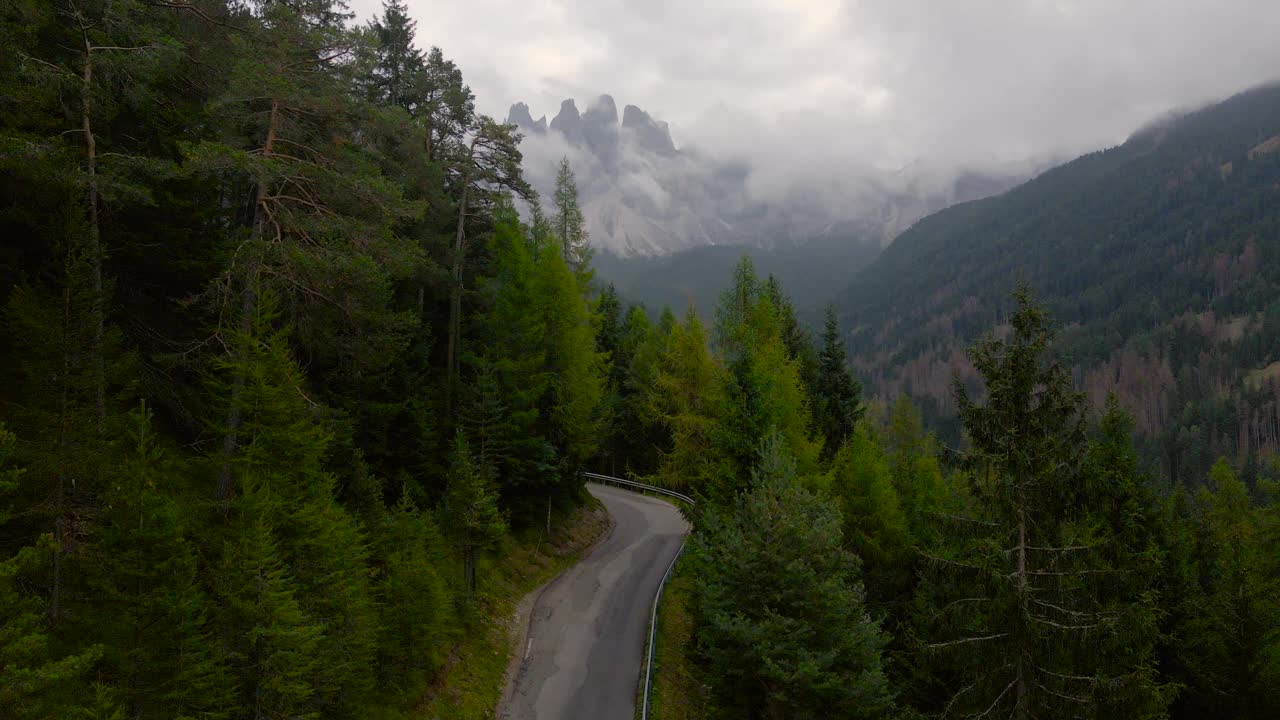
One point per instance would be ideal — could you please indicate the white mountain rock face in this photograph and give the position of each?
(643, 196)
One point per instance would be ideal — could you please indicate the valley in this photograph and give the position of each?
(953, 330)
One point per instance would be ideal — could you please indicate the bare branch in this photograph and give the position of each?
(1067, 548)
(95, 48)
(948, 562)
(999, 697)
(1065, 610)
(1049, 573)
(1072, 698)
(1081, 678)
(280, 196)
(960, 518)
(1061, 626)
(949, 605)
(962, 641)
(188, 7)
(952, 701)
(51, 66)
(320, 60)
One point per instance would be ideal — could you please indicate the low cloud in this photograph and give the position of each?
(827, 93)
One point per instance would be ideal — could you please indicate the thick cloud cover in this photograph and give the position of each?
(832, 89)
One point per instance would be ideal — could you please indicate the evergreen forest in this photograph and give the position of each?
(294, 365)
(1158, 257)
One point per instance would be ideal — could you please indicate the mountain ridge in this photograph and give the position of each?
(1160, 257)
(642, 195)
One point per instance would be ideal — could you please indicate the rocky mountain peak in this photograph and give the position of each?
(519, 116)
(568, 122)
(649, 134)
(600, 129)
(641, 195)
(604, 111)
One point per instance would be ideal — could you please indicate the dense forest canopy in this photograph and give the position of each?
(286, 375)
(280, 362)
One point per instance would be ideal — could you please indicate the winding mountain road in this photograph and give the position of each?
(582, 657)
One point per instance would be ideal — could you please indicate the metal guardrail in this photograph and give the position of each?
(657, 598)
(640, 487)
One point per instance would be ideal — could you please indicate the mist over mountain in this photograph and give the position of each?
(643, 195)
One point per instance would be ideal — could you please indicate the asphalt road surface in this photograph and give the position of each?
(582, 658)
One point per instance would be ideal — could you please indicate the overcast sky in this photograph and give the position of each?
(830, 86)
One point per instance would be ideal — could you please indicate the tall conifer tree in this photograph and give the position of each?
(836, 395)
(1016, 605)
(568, 220)
(784, 622)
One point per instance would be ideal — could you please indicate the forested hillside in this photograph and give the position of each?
(813, 272)
(842, 567)
(290, 395)
(1160, 259)
(281, 371)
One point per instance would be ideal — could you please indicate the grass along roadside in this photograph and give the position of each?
(471, 683)
(677, 692)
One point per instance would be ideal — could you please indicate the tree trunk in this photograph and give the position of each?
(1020, 706)
(230, 440)
(59, 522)
(455, 294)
(248, 306)
(95, 237)
(469, 570)
(431, 143)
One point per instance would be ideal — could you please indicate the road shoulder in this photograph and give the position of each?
(521, 620)
(472, 683)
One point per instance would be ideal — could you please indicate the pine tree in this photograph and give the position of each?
(149, 580)
(516, 350)
(413, 599)
(97, 59)
(641, 437)
(445, 106)
(1118, 495)
(320, 209)
(569, 223)
(282, 466)
(67, 470)
(912, 454)
(1014, 598)
(489, 167)
(687, 400)
(875, 523)
(1180, 587)
(486, 420)
(610, 329)
(609, 344)
(743, 314)
(763, 386)
(575, 369)
(1228, 638)
(836, 395)
(266, 637)
(35, 680)
(9, 476)
(398, 62)
(470, 511)
(795, 337)
(783, 623)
